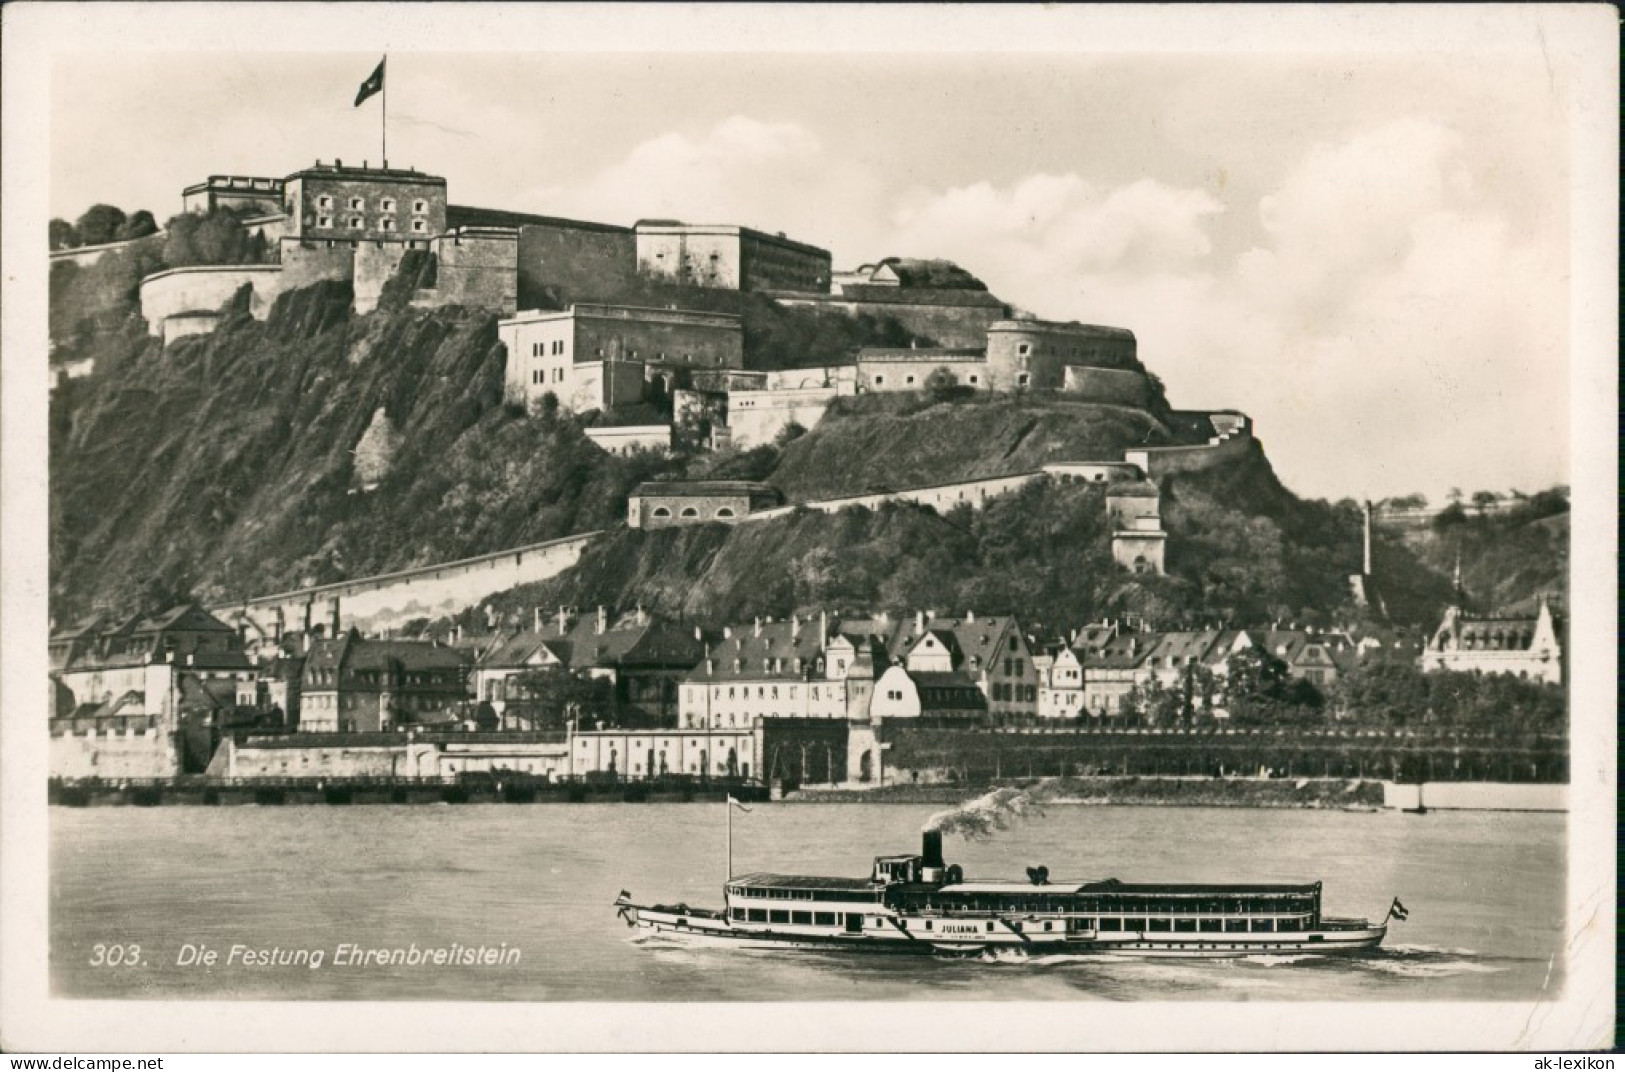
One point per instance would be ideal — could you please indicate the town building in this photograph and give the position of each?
(594, 356)
(939, 697)
(1112, 671)
(1523, 645)
(642, 656)
(663, 504)
(793, 668)
(356, 685)
(990, 650)
(1060, 689)
(729, 257)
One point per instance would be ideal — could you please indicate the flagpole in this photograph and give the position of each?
(383, 123)
(728, 806)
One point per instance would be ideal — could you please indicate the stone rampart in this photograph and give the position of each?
(205, 288)
(114, 754)
(947, 321)
(624, 439)
(1235, 440)
(389, 600)
(85, 256)
(375, 263)
(1107, 385)
(756, 417)
(942, 497)
(478, 266)
(181, 325)
(305, 263)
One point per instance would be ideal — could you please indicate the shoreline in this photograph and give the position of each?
(1324, 794)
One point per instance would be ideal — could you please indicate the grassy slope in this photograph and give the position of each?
(901, 441)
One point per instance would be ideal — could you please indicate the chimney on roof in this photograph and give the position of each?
(919, 621)
(564, 620)
(490, 618)
(795, 626)
(758, 629)
(337, 162)
(970, 617)
(727, 632)
(603, 620)
(333, 608)
(823, 629)
(710, 665)
(699, 634)
(536, 620)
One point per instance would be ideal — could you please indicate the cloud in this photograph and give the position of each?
(736, 172)
(1388, 329)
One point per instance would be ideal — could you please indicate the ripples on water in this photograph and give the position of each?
(1485, 892)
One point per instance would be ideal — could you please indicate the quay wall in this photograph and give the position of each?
(1477, 796)
(113, 754)
(389, 600)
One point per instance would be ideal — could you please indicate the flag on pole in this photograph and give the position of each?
(736, 803)
(1398, 911)
(373, 84)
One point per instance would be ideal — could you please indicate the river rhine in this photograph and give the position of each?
(1485, 892)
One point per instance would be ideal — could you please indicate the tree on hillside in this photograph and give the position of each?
(1483, 500)
(139, 225)
(62, 234)
(99, 224)
(217, 237)
(1413, 501)
(548, 698)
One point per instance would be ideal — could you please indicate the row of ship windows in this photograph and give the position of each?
(1129, 924)
(358, 223)
(357, 204)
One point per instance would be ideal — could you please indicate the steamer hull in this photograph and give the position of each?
(915, 905)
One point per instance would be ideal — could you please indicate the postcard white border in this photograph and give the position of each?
(1575, 39)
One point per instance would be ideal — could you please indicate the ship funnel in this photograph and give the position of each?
(931, 849)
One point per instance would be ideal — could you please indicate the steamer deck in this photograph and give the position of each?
(915, 904)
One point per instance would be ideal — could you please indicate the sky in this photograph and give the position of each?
(1367, 252)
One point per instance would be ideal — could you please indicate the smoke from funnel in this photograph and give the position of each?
(987, 814)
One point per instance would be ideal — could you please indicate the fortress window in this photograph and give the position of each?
(387, 223)
(387, 204)
(324, 202)
(909, 380)
(356, 223)
(974, 380)
(357, 203)
(419, 225)
(726, 511)
(689, 511)
(1023, 349)
(324, 221)
(1022, 380)
(879, 380)
(661, 511)
(420, 205)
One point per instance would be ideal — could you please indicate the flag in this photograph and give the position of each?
(1398, 911)
(373, 84)
(736, 803)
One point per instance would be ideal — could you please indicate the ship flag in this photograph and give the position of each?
(1398, 911)
(736, 803)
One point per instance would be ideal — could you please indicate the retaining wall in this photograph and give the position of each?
(389, 600)
(756, 417)
(205, 288)
(1107, 385)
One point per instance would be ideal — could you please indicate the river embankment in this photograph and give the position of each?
(1151, 791)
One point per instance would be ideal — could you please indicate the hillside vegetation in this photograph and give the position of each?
(876, 442)
(320, 445)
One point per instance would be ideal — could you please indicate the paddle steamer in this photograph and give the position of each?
(917, 904)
